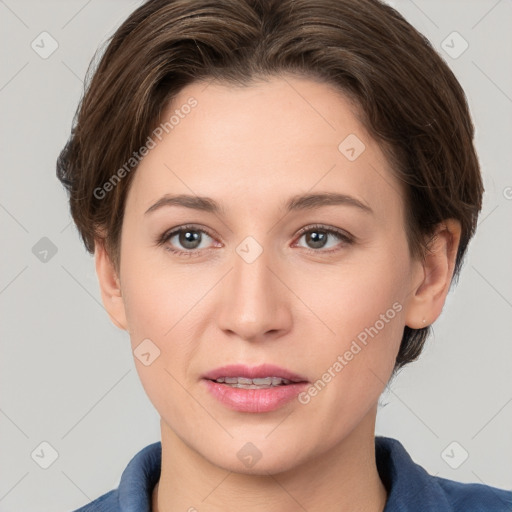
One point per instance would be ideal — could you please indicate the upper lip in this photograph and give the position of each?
(253, 372)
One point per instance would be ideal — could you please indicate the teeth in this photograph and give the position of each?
(267, 381)
(258, 383)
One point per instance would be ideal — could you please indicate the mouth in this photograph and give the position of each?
(254, 389)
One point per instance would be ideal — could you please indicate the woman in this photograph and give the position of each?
(278, 195)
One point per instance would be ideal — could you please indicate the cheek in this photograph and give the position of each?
(165, 303)
(364, 308)
(157, 295)
(353, 298)
(159, 308)
(352, 366)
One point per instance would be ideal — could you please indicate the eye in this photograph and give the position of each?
(190, 238)
(317, 237)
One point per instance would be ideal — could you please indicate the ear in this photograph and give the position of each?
(432, 281)
(110, 286)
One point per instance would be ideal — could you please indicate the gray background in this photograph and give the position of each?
(67, 376)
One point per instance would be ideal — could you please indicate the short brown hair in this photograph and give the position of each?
(409, 99)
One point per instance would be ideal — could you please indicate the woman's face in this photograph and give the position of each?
(320, 288)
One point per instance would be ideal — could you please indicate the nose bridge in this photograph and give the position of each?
(252, 304)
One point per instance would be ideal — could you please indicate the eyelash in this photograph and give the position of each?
(345, 238)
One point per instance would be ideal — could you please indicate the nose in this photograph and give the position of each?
(254, 300)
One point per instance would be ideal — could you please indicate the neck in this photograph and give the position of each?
(343, 479)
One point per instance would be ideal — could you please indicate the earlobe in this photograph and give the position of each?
(435, 275)
(110, 286)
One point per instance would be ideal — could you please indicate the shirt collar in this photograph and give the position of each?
(409, 486)
(139, 479)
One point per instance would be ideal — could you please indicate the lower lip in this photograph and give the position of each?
(254, 400)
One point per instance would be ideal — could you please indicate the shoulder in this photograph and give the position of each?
(411, 488)
(473, 497)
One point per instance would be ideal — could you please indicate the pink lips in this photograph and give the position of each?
(254, 400)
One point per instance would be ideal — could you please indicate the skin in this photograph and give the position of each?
(296, 306)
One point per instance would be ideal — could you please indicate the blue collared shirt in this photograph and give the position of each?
(410, 488)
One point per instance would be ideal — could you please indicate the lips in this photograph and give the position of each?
(256, 389)
(264, 371)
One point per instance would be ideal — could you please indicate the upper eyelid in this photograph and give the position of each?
(332, 230)
(171, 232)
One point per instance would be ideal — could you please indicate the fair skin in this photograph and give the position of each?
(296, 305)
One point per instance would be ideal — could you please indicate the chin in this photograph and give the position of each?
(256, 458)
(269, 466)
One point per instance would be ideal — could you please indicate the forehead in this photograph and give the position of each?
(266, 141)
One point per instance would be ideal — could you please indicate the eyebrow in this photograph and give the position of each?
(295, 203)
